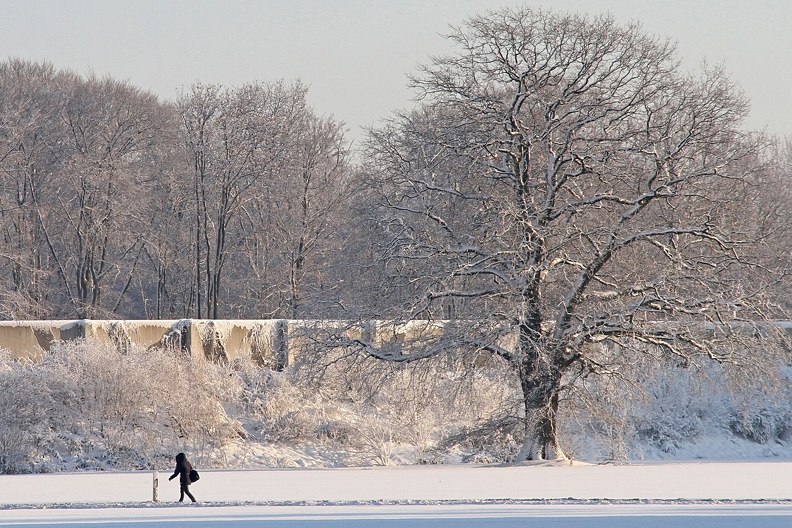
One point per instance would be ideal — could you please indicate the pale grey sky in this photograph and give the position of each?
(354, 54)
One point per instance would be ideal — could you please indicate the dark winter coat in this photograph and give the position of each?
(183, 468)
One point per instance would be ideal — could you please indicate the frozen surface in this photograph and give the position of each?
(646, 495)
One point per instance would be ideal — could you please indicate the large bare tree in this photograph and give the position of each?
(563, 185)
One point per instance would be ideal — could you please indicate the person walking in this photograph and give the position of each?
(183, 468)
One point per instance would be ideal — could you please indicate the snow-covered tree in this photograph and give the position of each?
(561, 185)
(268, 175)
(30, 133)
(74, 173)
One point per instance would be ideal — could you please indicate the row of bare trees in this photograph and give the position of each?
(225, 203)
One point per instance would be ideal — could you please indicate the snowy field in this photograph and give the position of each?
(538, 495)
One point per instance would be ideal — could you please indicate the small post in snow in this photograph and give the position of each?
(156, 486)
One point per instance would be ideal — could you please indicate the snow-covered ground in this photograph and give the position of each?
(723, 494)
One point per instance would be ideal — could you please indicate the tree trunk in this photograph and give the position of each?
(540, 386)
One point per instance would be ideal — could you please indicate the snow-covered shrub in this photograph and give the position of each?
(25, 403)
(134, 406)
(375, 436)
(423, 411)
(595, 420)
(655, 407)
(676, 405)
(645, 402)
(90, 405)
(764, 425)
(763, 415)
(275, 408)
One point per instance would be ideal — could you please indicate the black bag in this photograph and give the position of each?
(194, 476)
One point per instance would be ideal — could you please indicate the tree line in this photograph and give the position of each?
(560, 188)
(227, 203)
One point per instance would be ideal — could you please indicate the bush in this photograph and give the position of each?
(24, 400)
(89, 405)
(110, 408)
(670, 410)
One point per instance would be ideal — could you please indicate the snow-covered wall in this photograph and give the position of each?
(221, 340)
(30, 339)
(270, 342)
